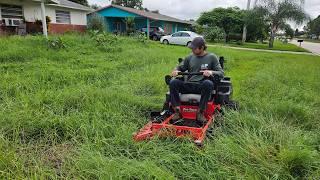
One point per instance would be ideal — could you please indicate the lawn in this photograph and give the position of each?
(278, 45)
(70, 113)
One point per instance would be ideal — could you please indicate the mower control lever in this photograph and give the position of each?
(169, 77)
(212, 77)
(190, 74)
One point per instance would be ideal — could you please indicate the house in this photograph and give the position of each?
(115, 19)
(64, 15)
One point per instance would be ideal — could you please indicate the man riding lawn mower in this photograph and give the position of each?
(198, 88)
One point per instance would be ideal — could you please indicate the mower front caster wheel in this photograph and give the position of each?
(199, 144)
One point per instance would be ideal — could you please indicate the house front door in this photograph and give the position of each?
(117, 27)
(168, 28)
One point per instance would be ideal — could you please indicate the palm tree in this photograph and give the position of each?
(130, 23)
(244, 34)
(281, 11)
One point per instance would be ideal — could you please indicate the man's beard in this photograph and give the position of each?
(197, 54)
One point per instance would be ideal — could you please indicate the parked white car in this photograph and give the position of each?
(181, 38)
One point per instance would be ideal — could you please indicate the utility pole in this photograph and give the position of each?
(44, 21)
(244, 35)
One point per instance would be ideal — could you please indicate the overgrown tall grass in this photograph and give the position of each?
(70, 113)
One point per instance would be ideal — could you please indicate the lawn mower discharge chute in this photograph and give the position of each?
(161, 123)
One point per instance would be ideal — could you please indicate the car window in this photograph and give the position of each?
(195, 34)
(176, 34)
(185, 34)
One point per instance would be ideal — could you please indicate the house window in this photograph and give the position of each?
(63, 17)
(11, 11)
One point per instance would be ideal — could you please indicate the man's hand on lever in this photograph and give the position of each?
(207, 73)
(175, 73)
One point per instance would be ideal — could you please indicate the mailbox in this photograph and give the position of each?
(300, 41)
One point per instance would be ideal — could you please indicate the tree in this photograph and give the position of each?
(230, 20)
(137, 4)
(289, 32)
(257, 26)
(95, 6)
(83, 2)
(314, 27)
(244, 33)
(281, 11)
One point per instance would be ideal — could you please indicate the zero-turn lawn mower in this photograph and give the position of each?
(162, 125)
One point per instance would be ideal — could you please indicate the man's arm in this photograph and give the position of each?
(182, 67)
(215, 68)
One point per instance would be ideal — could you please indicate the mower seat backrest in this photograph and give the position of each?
(194, 98)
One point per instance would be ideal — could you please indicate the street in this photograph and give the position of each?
(312, 47)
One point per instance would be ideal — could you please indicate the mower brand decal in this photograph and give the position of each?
(189, 110)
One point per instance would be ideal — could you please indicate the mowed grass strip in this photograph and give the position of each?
(71, 113)
(278, 46)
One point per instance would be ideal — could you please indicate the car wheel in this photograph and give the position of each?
(165, 42)
(188, 44)
(155, 38)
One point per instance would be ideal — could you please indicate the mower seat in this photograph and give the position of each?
(195, 98)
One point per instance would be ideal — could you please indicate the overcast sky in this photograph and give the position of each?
(191, 9)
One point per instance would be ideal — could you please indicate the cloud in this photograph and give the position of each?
(191, 9)
(99, 2)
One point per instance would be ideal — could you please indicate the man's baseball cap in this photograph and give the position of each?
(197, 42)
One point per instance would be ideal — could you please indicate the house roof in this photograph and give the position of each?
(150, 15)
(69, 4)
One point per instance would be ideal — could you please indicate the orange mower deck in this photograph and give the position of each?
(185, 127)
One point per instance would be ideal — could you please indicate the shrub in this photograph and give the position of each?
(213, 33)
(56, 43)
(239, 42)
(107, 42)
(96, 22)
(199, 29)
(139, 37)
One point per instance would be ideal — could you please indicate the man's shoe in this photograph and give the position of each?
(177, 114)
(201, 118)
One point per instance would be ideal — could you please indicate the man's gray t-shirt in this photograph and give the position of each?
(194, 63)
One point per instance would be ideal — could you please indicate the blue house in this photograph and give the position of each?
(115, 19)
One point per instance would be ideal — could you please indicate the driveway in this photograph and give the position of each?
(312, 47)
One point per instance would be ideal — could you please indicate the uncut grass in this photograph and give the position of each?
(71, 113)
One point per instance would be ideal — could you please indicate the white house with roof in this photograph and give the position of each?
(64, 15)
